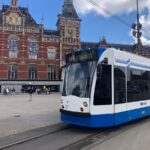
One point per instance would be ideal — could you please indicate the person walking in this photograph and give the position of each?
(30, 91)
(13, 91)
(7, 91)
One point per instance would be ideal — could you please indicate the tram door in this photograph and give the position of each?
(120, 104)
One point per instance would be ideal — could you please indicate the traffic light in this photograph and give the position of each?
(140, 26)
(140, 34)
(134, 33)
(136, 30)
(134, 26)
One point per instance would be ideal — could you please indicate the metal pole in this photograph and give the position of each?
(138, 23)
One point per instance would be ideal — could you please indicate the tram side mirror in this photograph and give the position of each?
(99, 70)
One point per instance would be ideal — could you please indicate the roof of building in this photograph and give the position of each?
(29, 20)
(51, 32)
(69, 11)
(145, 51)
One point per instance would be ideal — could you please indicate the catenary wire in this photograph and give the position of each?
(108, 12)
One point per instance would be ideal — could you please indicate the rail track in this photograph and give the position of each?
(88, 140)
(102, 136)
(98, 137)
(34, 137)
(75, 146)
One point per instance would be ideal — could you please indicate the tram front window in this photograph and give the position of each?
(78, 79)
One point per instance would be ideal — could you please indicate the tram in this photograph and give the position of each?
(105, 88)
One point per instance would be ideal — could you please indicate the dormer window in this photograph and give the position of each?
(70, 13)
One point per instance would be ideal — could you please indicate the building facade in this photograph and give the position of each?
(30, 54)
(68, 25)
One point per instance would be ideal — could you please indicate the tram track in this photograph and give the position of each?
(96, 136)
(74, 146)
(88, 140)
(24, 140)
(102, 136)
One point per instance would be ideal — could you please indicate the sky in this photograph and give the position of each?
(111, 19)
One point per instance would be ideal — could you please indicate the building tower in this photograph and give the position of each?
(68, 25)
(14, 3)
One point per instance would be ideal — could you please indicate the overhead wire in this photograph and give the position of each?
(93, 3)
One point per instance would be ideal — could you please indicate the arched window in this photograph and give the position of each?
(13, 46)
(33, 48)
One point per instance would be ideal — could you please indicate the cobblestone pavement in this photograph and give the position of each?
(19, 114)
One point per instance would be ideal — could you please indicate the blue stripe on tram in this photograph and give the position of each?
(106, 120)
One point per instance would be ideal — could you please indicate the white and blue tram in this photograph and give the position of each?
(105, 87)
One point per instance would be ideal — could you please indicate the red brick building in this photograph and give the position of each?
(30, 54)
(33, 55)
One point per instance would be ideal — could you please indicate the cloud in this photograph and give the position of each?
(145, 41)
(145, 20)
(118, 7)
(115, 7)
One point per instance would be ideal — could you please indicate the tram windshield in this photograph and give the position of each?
(78, 78)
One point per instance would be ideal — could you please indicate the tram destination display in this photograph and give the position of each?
(81, 56)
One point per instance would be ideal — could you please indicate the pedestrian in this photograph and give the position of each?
(7, 91)
(13, 91)
(30, 91)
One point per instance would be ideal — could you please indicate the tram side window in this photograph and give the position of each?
(146, 77)
(138, 85)
(103, 92)
(119, 85)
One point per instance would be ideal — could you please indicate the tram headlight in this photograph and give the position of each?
(85, 104)
(61, 101)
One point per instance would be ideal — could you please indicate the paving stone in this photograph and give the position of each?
(18, 114)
